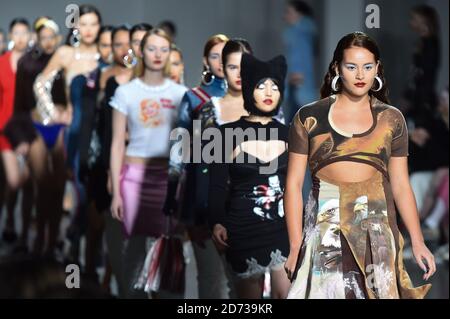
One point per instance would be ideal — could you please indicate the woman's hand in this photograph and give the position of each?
(290, 264)
(63, 115)
(220, 237)
(422, 253)
(117, 207)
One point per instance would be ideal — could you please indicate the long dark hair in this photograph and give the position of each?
(19, 21)
(85, 9)
(431, 17)
(140, 27)
(88, 8)
(233, 46)
(356, 39)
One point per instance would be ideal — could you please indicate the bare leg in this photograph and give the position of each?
(250, 288)
(280, 284)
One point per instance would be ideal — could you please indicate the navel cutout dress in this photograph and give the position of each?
(352, 247)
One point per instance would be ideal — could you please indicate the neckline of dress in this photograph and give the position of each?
(86, 56)
(153, 88)
(332, 102)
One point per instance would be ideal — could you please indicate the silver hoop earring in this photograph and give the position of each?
(379, 82)
(11, 45)
(334, 82)
(206, 73)
(130, 59)
(75, 38)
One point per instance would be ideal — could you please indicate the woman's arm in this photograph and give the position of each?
(43, 87)
(217, 201)
(117, 153)
(406, 204)
(293, 207)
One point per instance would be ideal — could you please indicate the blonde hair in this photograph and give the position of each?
(140, 67)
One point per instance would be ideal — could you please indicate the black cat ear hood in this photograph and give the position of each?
(253, 71)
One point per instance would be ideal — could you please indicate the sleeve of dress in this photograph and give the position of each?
(218, 190)
(43, 92)
(399, 146)
(183, 126)
(119, 101)
(178, 155)
(20, 98)
(298, 136)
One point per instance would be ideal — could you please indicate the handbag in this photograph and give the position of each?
(164, 266)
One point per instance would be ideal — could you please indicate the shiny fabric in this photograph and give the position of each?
(143, 189)
(352, 247)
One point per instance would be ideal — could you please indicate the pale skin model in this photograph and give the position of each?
(213, 61)
(252, 288)
(352, 113)
(232, 104)
(156, 56)
(176, 66)
(66, 59)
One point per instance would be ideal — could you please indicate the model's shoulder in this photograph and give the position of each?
(190, 94)
(178, 87)
(314, 109)
(129, 86)
(65, 51)
(387, 109)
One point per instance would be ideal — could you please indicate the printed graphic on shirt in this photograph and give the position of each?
(268, 199)
(150, 115)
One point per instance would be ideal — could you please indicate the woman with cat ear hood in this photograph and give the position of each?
(247, 186)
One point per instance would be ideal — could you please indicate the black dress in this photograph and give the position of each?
(249, 203)
(100, 163)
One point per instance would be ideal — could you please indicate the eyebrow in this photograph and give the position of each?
(156, 46)
(352, 63)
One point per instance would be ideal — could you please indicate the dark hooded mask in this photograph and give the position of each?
(253, 71)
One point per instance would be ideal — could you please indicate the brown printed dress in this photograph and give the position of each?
(351, 247)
